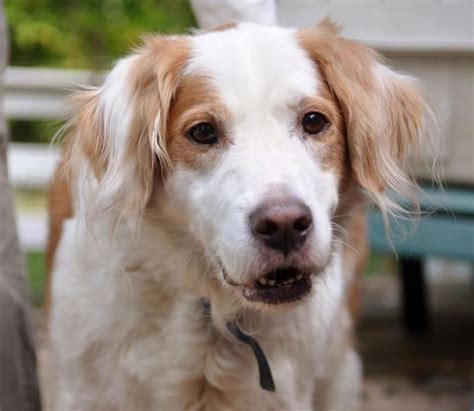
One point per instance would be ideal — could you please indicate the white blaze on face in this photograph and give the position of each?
(261, 75)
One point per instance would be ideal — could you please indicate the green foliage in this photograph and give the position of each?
(33, 131)
(36, 270)
(380, 263)
(87, 33)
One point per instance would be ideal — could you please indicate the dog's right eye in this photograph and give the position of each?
(315, 122)
(203, 133)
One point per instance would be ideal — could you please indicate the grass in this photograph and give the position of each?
(36, 273)
(380, 263)
(31, 200)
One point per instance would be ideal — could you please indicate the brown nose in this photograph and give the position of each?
(282, 224)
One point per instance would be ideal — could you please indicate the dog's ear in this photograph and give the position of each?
(383, 111)
(121, 127)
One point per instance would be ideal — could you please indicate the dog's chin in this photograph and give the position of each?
(280, 286)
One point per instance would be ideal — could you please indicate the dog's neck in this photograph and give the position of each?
(161, 294)
(265, 373)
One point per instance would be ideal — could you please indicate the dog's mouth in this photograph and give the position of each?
(283, 285)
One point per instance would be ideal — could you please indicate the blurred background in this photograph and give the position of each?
(416, 331)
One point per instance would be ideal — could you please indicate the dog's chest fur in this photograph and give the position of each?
(145, 344)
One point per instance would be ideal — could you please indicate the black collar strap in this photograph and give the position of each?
(266, 378)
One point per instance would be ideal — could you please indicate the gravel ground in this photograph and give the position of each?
(432, 372)
(402, 394)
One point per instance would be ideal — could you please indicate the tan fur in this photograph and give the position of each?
(330, 144)
(155, 80)
(224, 27)
(90, 130)
(383, 121)
(355, 256)
(59, 209)
(87, 135)
(196, 101)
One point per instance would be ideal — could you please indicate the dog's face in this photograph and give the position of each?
(252, 137)
(257, 147)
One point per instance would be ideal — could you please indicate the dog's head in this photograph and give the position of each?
(252, 140)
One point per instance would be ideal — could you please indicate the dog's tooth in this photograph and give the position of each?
(272, 282)
(291, 280)
(262, 281)
(299, 277)
(286, 282)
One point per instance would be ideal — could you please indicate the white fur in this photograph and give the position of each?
(267, 153)
(128, 330)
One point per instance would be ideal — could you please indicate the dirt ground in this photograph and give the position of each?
(432, 372)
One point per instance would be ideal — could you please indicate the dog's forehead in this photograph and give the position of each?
(257, 64)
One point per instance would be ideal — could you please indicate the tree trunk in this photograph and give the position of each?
(18, 381)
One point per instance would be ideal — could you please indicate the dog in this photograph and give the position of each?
(207, 220)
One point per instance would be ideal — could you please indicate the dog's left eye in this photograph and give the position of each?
(203, 133)
(315, 122)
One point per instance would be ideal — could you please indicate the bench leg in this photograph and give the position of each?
(414, 298)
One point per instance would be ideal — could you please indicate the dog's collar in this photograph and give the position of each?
(266, 378)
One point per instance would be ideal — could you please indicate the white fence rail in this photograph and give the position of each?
(37, 94)
(40, 93)
(31, 166)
